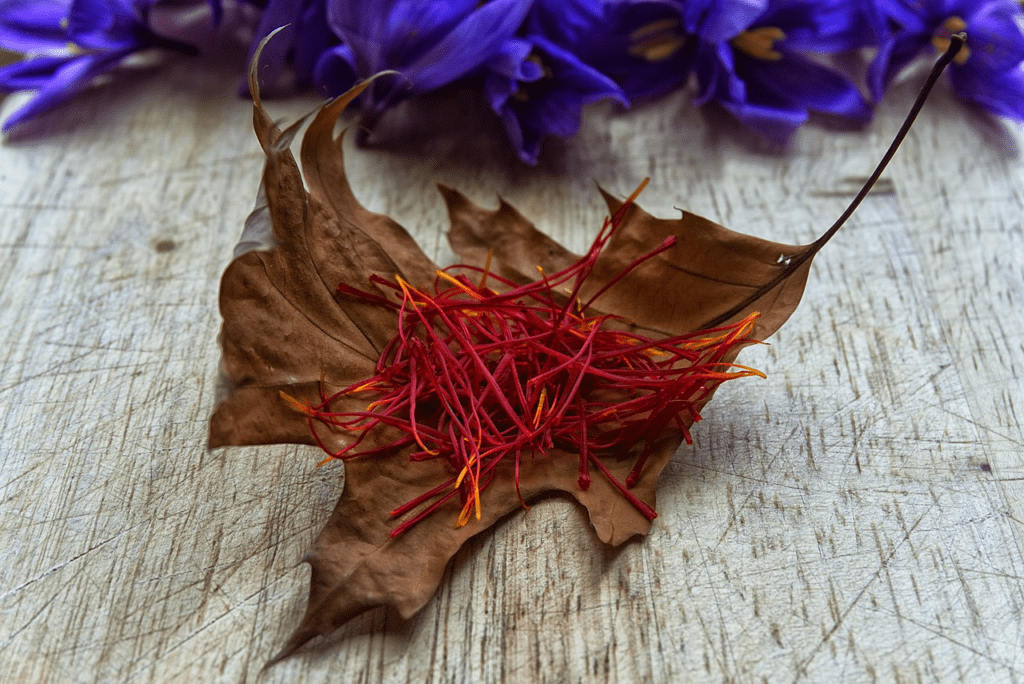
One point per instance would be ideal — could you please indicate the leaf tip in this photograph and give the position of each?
(266, 130)
(453, 199)
(298, 638)
(611, 200)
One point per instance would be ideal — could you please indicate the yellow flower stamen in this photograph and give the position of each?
(941, 40)
(657, 41)
(759, 43)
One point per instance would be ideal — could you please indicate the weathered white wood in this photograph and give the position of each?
(856, 516)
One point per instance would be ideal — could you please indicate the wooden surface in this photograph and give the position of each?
(855, 517)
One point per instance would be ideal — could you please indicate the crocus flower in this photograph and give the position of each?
(538, 88)
(32, 25)
(430, 43)
(639, 44)
(70, 44)
(750, 59)
(987, 71)
(334, 71)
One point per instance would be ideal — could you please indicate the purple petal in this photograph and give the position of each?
(104, 24)
(995, 35)
(511, 61)
(317, 37)
(826, 26)
(335, 71)
(415, 26)
(498, 89)
(1000, 92)
(526, 143)
(806, 84)
(73, 76)
(569, 23)
(363, 31)
(621, 39)
(894, 54)
(911, 16)
(394, 32)
(551, 105)
(274, 58)
(719, 20)
(31, 73)
(777, 121)
(716, 78)
(33, 25)
(468, 45)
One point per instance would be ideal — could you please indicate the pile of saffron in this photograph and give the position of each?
(478, 375)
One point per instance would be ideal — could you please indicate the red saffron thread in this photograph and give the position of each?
(475, 376)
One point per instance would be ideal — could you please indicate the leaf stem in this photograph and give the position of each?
(957, 41)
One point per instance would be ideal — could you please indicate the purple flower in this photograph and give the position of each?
(988, 69)
(637, 43)
(72, 42)
(750, 59)
(538, 88)
(32, 25)
(430, 43)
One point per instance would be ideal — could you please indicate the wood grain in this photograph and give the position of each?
(854, 517)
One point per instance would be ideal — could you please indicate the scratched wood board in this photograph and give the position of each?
(854, 517)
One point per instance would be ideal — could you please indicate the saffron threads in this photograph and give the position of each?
(476, 376)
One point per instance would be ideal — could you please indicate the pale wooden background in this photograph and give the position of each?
(855, 517)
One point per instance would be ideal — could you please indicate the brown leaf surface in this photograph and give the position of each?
(711, 271)
(286, 329)
(284, 326)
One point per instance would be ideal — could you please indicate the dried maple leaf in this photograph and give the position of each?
(288, 330)
(710, 272)
(285, 328)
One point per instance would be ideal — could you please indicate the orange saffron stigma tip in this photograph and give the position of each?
(299, 406)
(476, 377)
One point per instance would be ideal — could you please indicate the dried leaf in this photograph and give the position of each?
(286, 329)
(289, 338)
(283, 325)
(711, 271)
